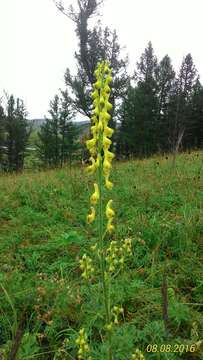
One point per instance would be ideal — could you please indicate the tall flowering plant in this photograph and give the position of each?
(111, 254)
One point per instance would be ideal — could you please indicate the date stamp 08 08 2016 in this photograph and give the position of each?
(177, 348)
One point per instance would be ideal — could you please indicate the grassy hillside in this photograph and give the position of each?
(43, 233)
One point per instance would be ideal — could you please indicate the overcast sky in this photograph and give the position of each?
(37, 42)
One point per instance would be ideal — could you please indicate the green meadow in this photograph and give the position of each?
(43, 234)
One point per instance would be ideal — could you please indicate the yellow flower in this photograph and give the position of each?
(106, 166)
(94, 94)
(91, 216)
(81, 341)
(91, 168)
(91, 143)
(109, 327)
(95, 196)
(96, 111)
(108, 131)
(107, 89)
(108, 79)
(108, 105)
(110, 227)
(106, 142)
(101, 101)
(109, 211)
(106, 116)
(97, 163)
(86, 267)
(108, 183)
(109, 155)
(94, 119)
(100, 125)
(98, 84)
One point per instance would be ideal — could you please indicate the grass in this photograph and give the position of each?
(43, 233)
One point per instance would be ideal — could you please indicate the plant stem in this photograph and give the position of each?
(106, 296)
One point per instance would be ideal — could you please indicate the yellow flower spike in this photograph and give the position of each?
(86, 267)
(109, 211)
(91, 216)
(99, 148)
(82, 343)
(95, 196)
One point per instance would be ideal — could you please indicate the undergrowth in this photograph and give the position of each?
(43, 234)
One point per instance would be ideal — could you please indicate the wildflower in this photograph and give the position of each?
(109, 155)
(95, 196)
(109, 326)
(106, 142)
(98, 161)
(112, 257)
(91, 168)
(108, 131)
(93, 247)
(106, 167)
(137, 355)
(116, 311)
(127, 246)
(109, 211)
(110, 215)
(82, 343)
(90, 143)
(110, 227)
(86, 267)
(108, 183)
(91, 216)
(100, 143)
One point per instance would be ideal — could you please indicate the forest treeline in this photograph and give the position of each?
(155, 110)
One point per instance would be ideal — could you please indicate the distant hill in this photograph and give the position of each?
(83, 125)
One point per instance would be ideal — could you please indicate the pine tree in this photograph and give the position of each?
(139, 109)
(44, 144)
(194, 137)
(68, 131)
(165, 76)
(95, 44)
(147, 94)
(57, 136)
(180, 122)
(17, 132)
